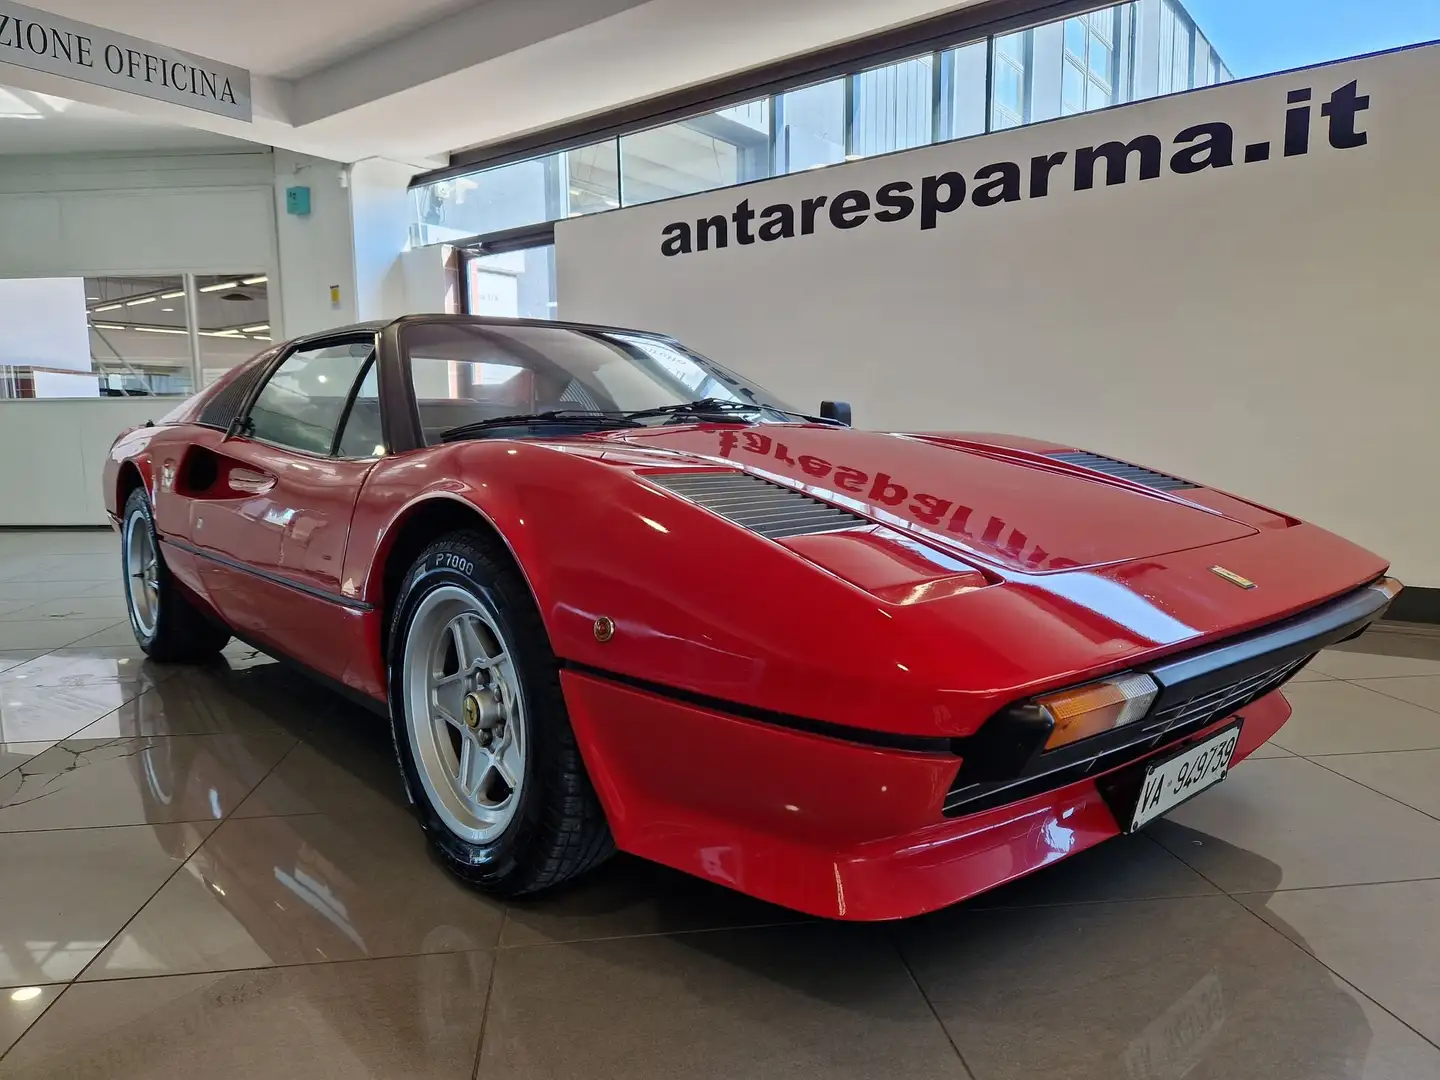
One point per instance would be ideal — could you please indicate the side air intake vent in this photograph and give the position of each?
(760, 506)
(1123, 471)
(221, 410)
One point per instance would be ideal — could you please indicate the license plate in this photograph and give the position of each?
(1170, 782)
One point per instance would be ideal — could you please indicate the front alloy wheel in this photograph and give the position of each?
(482, 733)
(465, 714)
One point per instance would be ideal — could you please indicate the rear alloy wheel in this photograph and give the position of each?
(481, 730)
(142, 575)
(166, 624)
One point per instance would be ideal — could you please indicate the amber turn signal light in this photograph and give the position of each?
(1097, 707)
(1389, 586)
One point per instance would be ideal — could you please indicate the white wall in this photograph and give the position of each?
(380, 211)
(316, 250)
(98, 214)
(1265, 328)
(354, 238)
(430, 286)
(44, 321)
(56, 456)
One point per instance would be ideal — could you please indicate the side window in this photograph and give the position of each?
(302, 404)
(363, 436)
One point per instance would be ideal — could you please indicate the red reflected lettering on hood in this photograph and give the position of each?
(1018, 515)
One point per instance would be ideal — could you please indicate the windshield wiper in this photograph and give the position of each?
(708, 408)
(553, 416)
(718, 408)
(704, 407)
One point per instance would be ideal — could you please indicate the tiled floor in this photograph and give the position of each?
(211, 874)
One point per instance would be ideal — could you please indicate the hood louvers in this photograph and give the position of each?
(1123, 470)
(769, 509)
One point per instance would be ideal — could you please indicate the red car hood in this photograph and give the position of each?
(993, 571)
(1012, 509)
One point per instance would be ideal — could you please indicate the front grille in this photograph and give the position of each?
(769, 509)
(1200, 710)
(1123, 470)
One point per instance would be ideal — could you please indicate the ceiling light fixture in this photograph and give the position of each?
(172, 295)
(222, 285)
(160, 330)
(142, 300)
(254, 280)
(254, 329)
(107, 326)
(167, 309)
(110, 307)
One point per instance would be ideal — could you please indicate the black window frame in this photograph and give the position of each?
(244, 426)
(372, 363)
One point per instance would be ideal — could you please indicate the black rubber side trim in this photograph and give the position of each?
(265, 575)
(843, 732)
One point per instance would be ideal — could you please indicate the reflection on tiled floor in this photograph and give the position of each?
(212, 873)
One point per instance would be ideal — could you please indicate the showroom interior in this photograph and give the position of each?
(1193, 235)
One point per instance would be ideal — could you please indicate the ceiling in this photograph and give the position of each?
(33, 123)
(278, 38)
(413, 80)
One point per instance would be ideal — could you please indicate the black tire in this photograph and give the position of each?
(182, 633)
(558, 830)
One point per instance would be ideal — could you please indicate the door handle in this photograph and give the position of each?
(250, 482)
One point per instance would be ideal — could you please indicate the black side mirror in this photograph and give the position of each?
(839, 411)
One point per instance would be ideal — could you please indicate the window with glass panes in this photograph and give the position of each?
(1088, 78)
(1175, 37)
(1011, 58)
(1127, 51)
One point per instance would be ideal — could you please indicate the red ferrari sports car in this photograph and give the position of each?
(611, 594)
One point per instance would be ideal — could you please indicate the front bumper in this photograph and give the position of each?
(833, 829)
(844, 830)
(1005, 760)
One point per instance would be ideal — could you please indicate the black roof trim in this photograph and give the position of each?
(377, 326)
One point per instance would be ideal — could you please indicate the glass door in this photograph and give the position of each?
(517, 282)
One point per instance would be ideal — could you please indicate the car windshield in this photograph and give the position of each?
(470, 373)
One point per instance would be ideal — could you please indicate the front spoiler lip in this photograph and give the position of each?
(1004, 759)
(1273, 645)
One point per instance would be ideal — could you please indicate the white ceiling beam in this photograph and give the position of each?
(466, 39)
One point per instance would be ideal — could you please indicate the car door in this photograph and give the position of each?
(272, 531)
